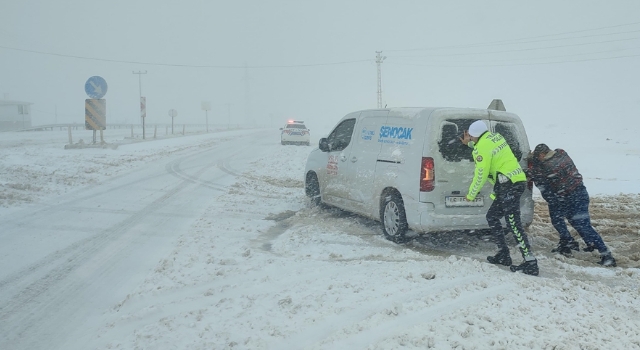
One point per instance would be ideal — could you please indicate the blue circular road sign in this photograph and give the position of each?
(95, 87)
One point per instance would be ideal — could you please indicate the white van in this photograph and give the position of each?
(407, 168)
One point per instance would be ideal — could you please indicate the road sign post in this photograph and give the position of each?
(95, 87)
(143, 113)
(206, 107)
(95, 108)
(95, 112)
(172, 113)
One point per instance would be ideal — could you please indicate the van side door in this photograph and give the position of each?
(360, 173)
(339, 141)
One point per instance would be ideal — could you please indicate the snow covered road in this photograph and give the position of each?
(66, 260)
(207, 242)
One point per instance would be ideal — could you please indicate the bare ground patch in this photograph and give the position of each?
(616, 218)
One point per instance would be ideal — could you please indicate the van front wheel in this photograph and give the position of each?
(313, 189)
(394, 219)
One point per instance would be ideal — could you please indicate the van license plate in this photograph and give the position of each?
(460, 201)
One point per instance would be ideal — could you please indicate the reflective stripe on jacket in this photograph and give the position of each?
(493, 155)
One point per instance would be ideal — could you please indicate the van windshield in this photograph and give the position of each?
(453, 150)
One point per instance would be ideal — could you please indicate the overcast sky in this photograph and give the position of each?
(315, 60)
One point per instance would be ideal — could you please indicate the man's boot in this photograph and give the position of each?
(565, 247)
(607, 259)
(502, 258)
(529, 267)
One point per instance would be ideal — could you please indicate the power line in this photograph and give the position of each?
(514, 41)
(573, 37)
(514, 64)
(525, 58)
(560, 39)
(182, 65)
(521, 50)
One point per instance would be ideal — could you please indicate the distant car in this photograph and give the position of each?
(295, 132)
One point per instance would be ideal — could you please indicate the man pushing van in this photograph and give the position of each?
(494, 161)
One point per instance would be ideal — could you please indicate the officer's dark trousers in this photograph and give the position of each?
(507, 206)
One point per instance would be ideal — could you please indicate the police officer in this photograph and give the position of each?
(494, 161)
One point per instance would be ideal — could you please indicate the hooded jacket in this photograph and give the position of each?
(556, 173)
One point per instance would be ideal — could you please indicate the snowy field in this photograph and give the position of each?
(256, 267)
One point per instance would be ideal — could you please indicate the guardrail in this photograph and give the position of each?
(77, 126)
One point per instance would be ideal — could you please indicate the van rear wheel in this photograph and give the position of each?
(394, 219)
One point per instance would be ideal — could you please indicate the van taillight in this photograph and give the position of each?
(427, 175)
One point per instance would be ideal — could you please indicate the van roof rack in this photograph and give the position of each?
(497, 105)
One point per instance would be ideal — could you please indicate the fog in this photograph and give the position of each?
(569, 63)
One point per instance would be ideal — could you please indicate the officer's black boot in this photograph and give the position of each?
(529, 267)
(502, 258)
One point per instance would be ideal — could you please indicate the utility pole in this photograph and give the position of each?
(56, 114)
(228, 116)
(379, 60)
(247, 99)
(206, 107)
(143, 107)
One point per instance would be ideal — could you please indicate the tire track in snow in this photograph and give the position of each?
(320, 334)
(172, 167)
(52, 289)
(105, 235)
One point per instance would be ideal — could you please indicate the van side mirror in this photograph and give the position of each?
(323, 145)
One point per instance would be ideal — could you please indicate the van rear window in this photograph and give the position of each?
(510, 133)
(453, 150)
(450, 146)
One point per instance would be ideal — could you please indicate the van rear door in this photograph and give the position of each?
(454, 167)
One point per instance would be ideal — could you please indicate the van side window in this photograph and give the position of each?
(450, 146)
(508, 131)
(340, 137)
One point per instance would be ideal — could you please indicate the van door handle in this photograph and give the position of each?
(343, 158)
(354, 159)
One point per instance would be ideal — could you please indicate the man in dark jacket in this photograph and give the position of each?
(560, 184)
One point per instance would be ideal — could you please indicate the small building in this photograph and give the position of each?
(14, 115)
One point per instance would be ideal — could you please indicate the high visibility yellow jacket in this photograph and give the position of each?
(493, 155)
